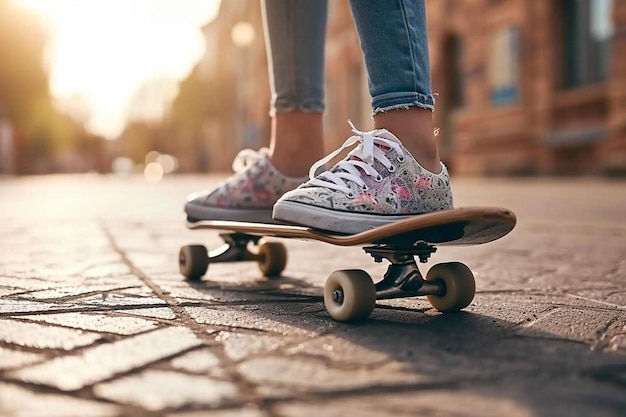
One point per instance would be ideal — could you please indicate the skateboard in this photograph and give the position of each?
(351, 294)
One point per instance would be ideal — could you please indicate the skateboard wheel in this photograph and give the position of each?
(272, 258)
(193, 261)
(349, 295)
(459, 283)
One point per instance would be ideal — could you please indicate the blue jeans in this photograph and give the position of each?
(393, 40)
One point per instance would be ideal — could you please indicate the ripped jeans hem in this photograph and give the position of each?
(403, 101)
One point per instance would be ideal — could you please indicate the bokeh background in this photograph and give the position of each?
(524, 87)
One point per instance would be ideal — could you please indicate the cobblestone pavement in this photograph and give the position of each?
(95, 319)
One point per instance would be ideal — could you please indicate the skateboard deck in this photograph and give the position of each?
(351, 294)
(458, 227)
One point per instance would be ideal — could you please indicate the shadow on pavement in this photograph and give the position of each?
(459, 362)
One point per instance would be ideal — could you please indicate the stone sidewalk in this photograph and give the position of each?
(95, 319)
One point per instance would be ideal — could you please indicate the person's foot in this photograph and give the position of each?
(246, 196)
(379, 182)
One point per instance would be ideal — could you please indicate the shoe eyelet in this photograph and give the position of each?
(350, 195)
(391, 169)
(364, 188)
(379, 178)
(400, 159)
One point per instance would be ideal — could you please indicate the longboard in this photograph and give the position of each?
(351, 294)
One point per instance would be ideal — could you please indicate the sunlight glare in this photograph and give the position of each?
(153, 172)
(103, 51)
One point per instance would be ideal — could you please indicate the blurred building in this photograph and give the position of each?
(7, 141)
(530, 87)
(236, 65)
(524, 87)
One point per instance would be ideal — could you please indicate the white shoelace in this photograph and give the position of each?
(358, 161)
(248, 157)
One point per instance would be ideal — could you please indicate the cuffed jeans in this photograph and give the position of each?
(393, 40)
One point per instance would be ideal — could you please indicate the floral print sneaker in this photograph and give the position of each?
(246, 196)
(378, 182)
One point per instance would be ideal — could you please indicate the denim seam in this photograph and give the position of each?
(292, 51)
(408, 34)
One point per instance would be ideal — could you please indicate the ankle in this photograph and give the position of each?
(293, 163)
(297, 141)
(414, 127)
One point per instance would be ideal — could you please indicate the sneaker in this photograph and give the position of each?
(247, 196)
(378, 182)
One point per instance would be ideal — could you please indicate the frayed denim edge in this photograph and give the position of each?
(423, 101)
(404, 106)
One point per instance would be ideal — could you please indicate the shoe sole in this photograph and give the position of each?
(197, 212)
(331, 220)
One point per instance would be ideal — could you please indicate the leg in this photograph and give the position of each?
(295, 34)
(294, 31)
(395, 47)
(394, 172)
(296, 141)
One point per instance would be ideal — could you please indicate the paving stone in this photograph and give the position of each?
(7, 291)
(165, 313)
(338, 349)
(279, 318)
(241, 412)
(19, 402)
(578, 325)
(241, 292)
(70, 292)
(97, 322)
(115, 300)
(435, 403)
(107, 268)
(20, 307)
(105, 361)
(618, 342)
(513, 308)
(239, 346)
(198, 361)
(306, 374)
(11, 359)
(155, 390)
(22, 283)
(38, 336)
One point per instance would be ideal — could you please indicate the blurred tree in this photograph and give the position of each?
(147, 128)
(135, 141)
(202, 105)
(188, 114)
(41, 130)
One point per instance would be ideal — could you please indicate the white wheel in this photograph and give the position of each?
(459, 283)
(193, 261)
(273, 258)
(349, 295)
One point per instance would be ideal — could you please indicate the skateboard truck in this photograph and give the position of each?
(403, 278)
(235, 248)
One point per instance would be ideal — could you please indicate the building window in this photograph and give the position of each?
(587, 33)
(504, 77)
(455, 96)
